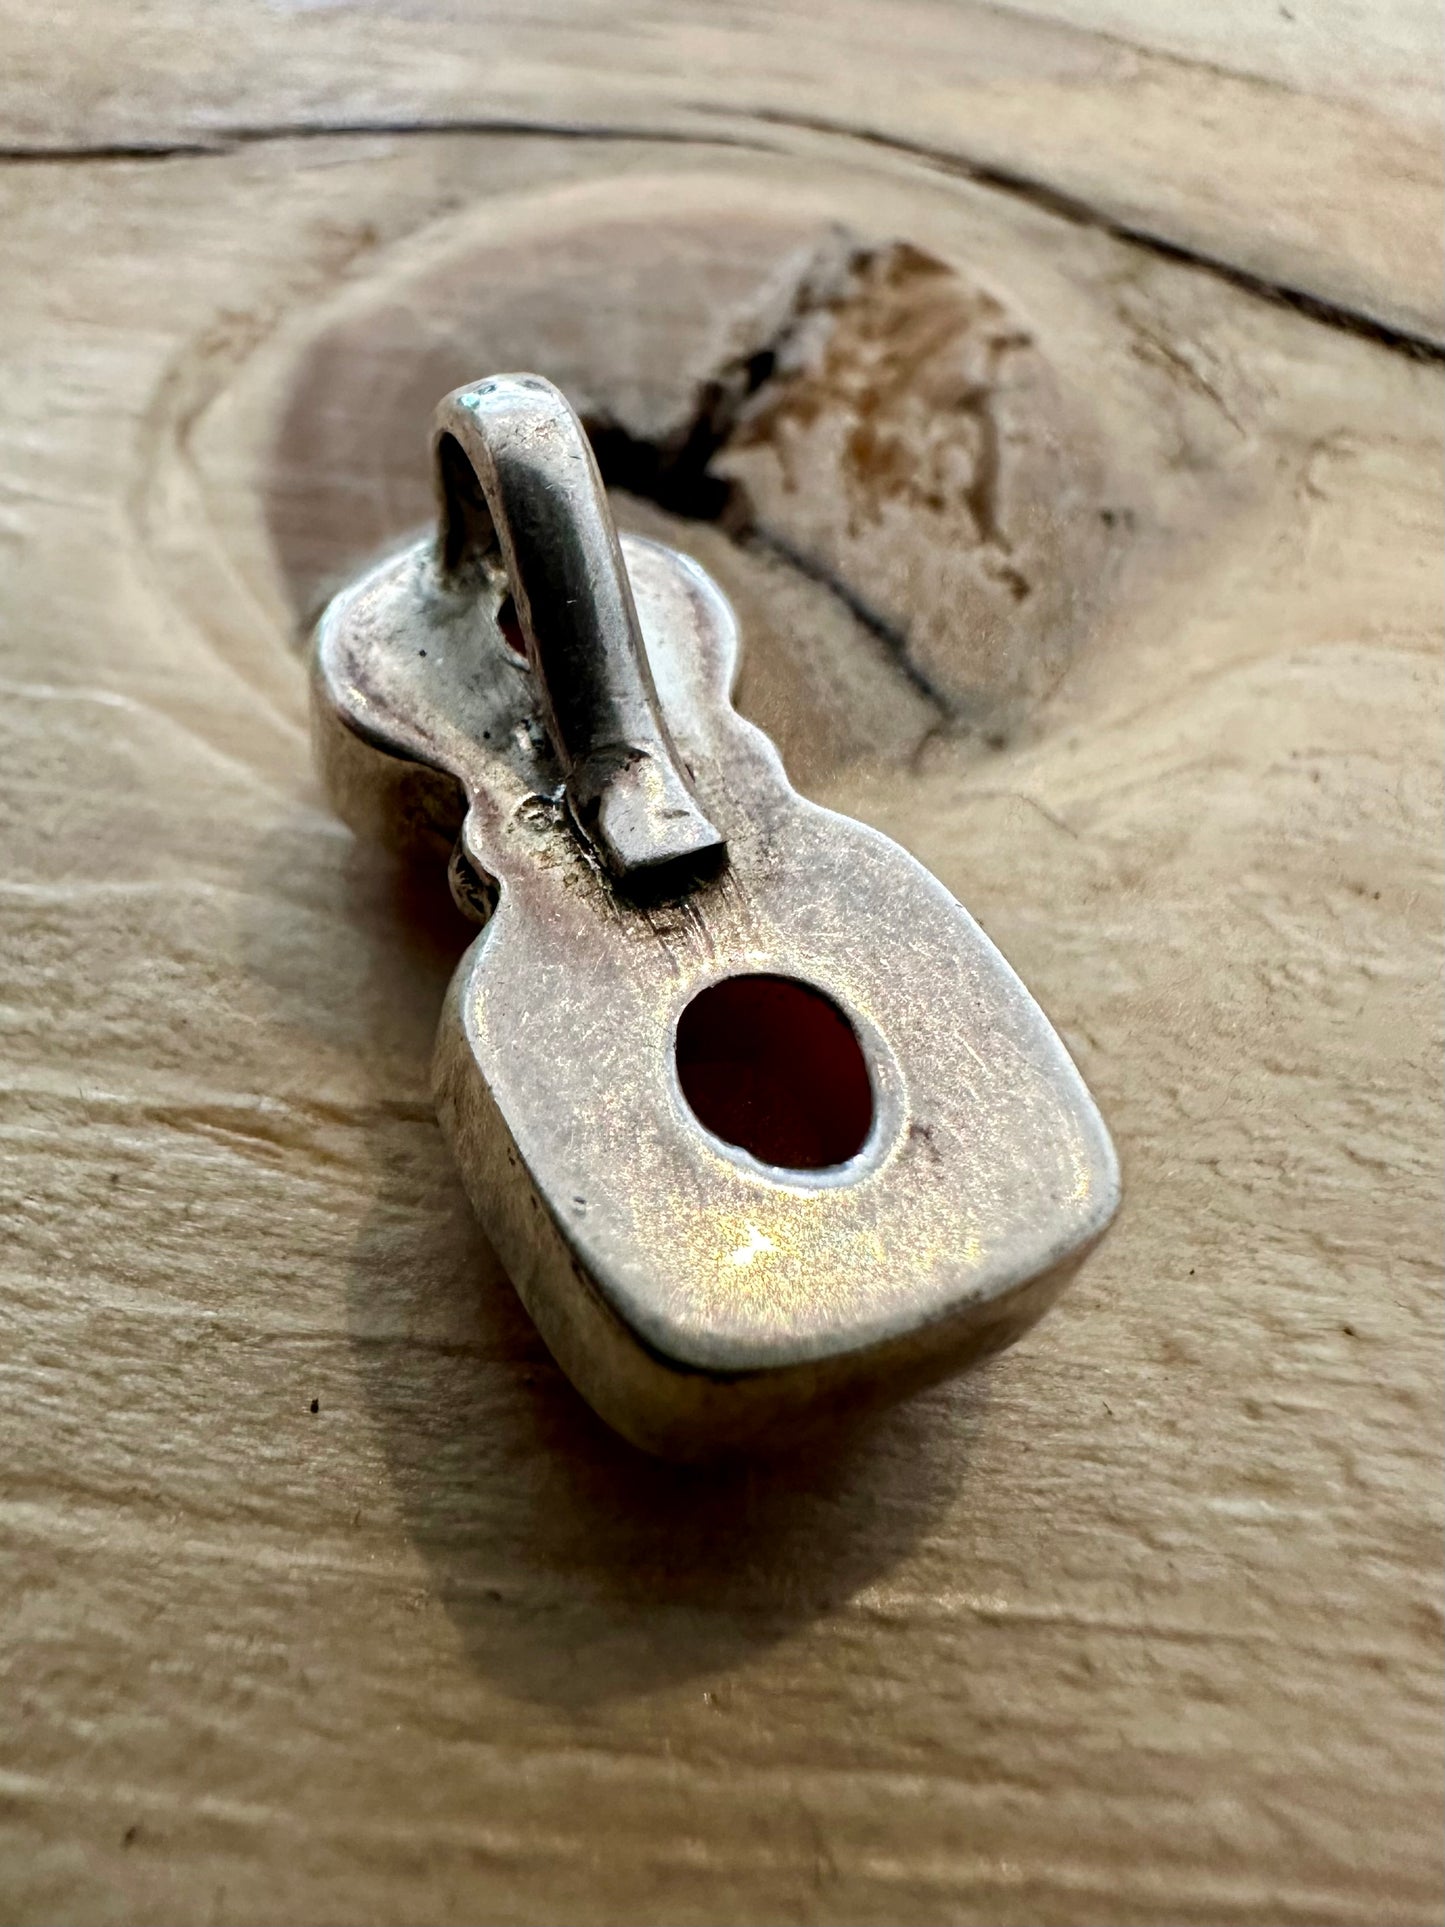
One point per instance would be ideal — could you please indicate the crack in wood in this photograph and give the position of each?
(677, 474)
(230, 140)
(1078, 212)
(1038, 193)
(853, 340)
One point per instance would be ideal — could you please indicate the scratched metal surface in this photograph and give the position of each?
(987, 1164)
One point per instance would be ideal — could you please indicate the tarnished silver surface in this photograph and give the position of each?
(697, 1296)
(520, 495)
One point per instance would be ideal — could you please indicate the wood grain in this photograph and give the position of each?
(1297, 143)
(1140, 1623)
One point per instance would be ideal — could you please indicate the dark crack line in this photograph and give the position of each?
(231, 140)
(679, 477)
(986, 174)
(677, 473)
(893, 641)
(680, 480)
(1078, 213)
(113, 151)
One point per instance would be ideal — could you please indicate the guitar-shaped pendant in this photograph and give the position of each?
(755, 1116)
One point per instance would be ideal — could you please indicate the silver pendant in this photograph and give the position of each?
(755, 1116)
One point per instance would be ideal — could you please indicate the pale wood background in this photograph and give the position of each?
(1141, 1623)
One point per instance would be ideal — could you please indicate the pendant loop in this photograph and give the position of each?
(518, 487)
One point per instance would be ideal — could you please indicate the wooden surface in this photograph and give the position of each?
(1072, 551)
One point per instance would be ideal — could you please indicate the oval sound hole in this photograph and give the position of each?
(510, 624)
(775, 1068)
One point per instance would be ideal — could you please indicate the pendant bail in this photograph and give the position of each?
(519, 490)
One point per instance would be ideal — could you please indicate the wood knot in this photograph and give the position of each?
(867, 447)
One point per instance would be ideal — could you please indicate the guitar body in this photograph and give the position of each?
(701, 1296)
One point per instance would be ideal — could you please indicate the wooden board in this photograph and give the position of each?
(1297, 143)
(1140, 1623)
